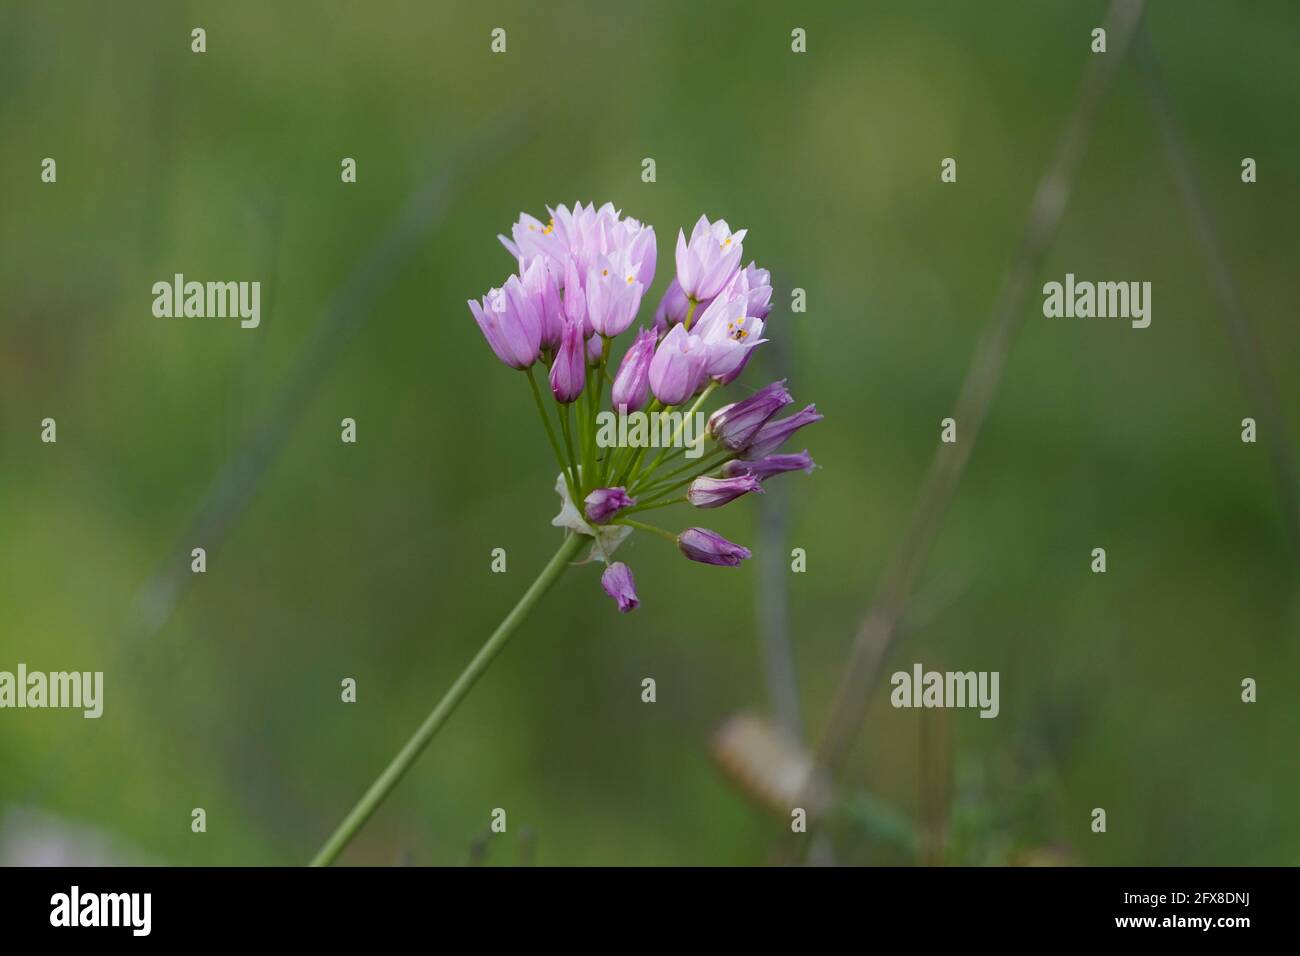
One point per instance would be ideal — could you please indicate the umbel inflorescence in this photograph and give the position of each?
(581, 278)
(579, 286)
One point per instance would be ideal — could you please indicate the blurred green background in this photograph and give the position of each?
(372, 560)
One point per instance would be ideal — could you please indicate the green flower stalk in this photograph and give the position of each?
(580, 281)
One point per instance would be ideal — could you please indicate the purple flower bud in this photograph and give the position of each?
(734, 426)
(595, 349)
(765, 468)
(709, 547)
(632, 383)
(708, 492)
(509, 322)
(569, 371)
(603, 503)
(709, 261)
(677, 366)
(672, 307)
(618, 584)
(772, 434)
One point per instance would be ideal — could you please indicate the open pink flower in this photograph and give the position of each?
(728, 334)
(707, 262)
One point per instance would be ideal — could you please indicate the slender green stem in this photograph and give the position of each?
(655, 504)
(591, 396)
(673, 454)
(634, 454)
(708, 390)
(677, 432)
(646, 527)
(579, 408)
(550, 433)
(600, 397)
(568, 444)
(393, 773)
(662, 489)
(633, 468)
(712, 459)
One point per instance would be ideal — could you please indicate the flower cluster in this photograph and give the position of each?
(581, 277)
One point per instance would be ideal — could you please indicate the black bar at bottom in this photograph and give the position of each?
(338, 905)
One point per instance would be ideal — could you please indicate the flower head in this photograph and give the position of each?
(582, 276)
(618, 584)
(709, 547)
